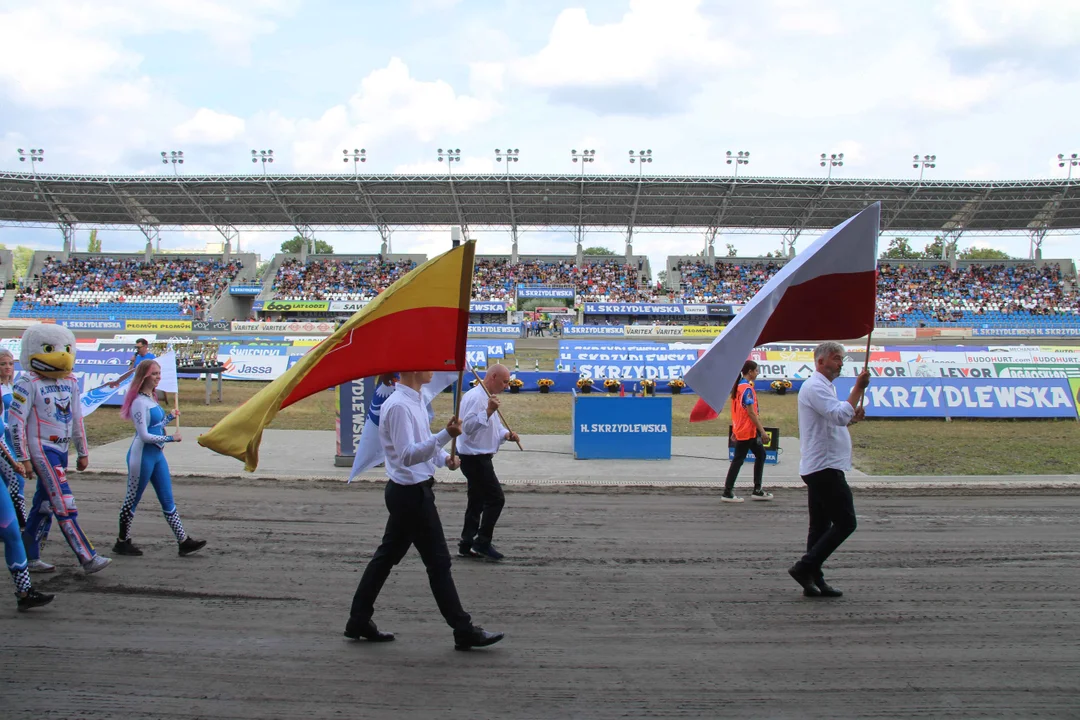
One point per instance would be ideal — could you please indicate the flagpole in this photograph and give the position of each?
(488, 393)
(457, 408)
(866, 364)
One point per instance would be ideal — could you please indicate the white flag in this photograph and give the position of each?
(168, 372)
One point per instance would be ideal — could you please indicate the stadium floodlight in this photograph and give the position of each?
(34, 156)
(642, 157)
(1064, 160)
(176, 157)
(451, 155)
(266, 156)
(358, 155)
(832, 160)
(740, 158)
(926, 161)
(510, 155)
(585, 156)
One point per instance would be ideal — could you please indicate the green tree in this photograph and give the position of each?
(932, 251)
(22, 256)
(597, 250)
(899, 249)
(94, 244)
(978, 253)
(732, 251)
(294, 245)
(661, 277)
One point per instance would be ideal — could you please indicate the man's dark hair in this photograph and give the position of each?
(142, 341)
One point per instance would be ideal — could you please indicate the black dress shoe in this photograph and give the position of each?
(366, 630)
(475, 637)
(805, 578)
(826, 589)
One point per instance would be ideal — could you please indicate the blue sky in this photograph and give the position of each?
(989, 86)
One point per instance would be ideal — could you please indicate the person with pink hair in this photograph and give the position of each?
(146, 460)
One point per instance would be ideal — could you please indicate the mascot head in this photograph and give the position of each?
(48, 350)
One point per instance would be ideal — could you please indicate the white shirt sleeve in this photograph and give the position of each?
(827, 405)
(474, 414)
(397, 423)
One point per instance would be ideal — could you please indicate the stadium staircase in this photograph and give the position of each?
(6, 303)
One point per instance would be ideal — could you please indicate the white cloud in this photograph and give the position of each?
(652, 43)
(207, 127)
(984, 23)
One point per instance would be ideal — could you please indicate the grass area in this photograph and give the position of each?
(882, 447)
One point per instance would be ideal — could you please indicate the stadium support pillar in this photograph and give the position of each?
(69, 237)
(148, 252)
(226, 251)
(514, 246)
(629, 253)
(455, 236)
(1036, 235)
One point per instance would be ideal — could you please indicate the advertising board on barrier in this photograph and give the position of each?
(283, 327)
(494, 330)
(296, 306)
(545, 292)
(1031, 370)
(702, 330)
(211, 325)
(628, 370)
(632, 309)
(593, 330)
(476, 357)
(92, 324)
(652, 331)
(695, 310)
(628, 427)
(253, 367)
(353, 398)
(1026, 332)
(159, 325)
(1074, 387)
(1000, 398)
(349, 306)
(245, 290)
(487, 307)
(716, 310)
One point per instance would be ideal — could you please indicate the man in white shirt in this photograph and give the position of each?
(826, 453)
(482, 435)
(412, 454)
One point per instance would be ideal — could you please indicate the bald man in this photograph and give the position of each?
(481, 436)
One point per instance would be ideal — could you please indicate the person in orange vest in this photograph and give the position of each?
(748, 432)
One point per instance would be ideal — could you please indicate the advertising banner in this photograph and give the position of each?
(893, 333)
(772, 446)
(716, 310)
(346, 306)
(1074, 387)
(92, 324)
(556, 310)
(493, 349)
(652, 331)
(508, 347)
(245, 290)
(545, 292)
(640, 355)
(702, 330)
(1026, 332)
(695, 310)
(476, 357)
(296, 306)
(930, 370)
(158, 325)
(630, 370)
(999, 398)
(621, 427)
(284, 327)
(352, 404)
(632, 309)
(593, 330)
(210, 325)
(487, 307)
(494, 330)
(253, 367)
(1032, 370)
(237, 351)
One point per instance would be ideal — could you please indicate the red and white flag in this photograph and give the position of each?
(827, 292)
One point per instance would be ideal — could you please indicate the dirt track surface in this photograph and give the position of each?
(614, 604)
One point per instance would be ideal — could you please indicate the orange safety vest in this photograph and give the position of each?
(742, 426)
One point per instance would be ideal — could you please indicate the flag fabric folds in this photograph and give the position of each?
(827, 292)
(369, 452)
(94, 398)
(168, 382)
(418, 323)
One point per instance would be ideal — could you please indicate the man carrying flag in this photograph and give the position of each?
(826, 292)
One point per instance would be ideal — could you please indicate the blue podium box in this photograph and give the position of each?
(607, 427)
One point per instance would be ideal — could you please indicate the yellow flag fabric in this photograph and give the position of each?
(418, 323)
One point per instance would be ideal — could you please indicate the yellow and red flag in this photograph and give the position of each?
(418, 323)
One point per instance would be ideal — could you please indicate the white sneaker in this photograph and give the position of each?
(97, 564)
(730, 498)
(40, 566)
(761, 495)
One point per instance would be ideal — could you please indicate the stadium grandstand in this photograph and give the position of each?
(161, 286)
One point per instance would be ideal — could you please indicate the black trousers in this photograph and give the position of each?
(832, 516)
(741, 448)
(486, 499)
(414, 520)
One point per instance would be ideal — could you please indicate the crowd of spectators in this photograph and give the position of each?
(190, 282)
(911, 291)
(939, 293)
(598, 281)
(723, 282)
(359, 279)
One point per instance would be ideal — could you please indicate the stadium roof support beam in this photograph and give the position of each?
(718, 222)
(630, 225)
(1043, 220)
(226, 230)
(513, 221)
(149, 225)
(382, 227)
(457, 209)
(792, 233)
(958, 223)
(65, 220)
(302, 229)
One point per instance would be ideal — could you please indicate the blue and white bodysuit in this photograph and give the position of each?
(46, 417)
(12, 479)
(12, 510)
(147, 464)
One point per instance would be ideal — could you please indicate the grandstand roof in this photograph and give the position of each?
(498, 202)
